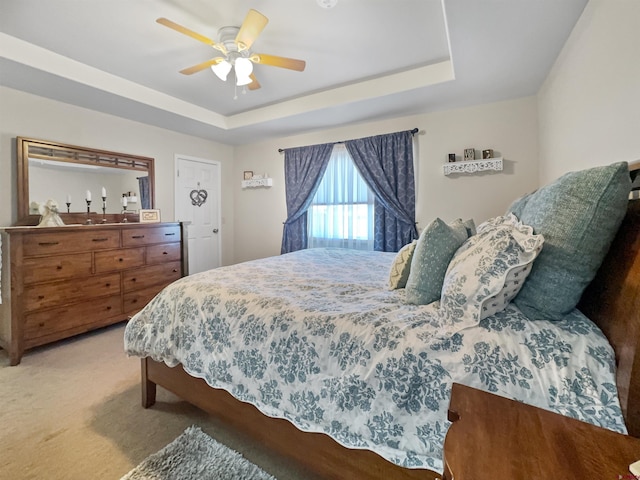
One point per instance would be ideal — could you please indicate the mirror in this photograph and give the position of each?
(70, 174)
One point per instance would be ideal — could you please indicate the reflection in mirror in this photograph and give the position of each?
(69, 174)
(69, 182)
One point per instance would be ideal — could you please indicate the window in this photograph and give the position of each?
(341, 213)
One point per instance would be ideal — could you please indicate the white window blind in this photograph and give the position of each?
(341, 213)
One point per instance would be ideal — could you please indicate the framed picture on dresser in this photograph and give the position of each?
(149, 216)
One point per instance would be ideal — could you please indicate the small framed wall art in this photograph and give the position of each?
(469, 154)
(248, 175)
(149, 216)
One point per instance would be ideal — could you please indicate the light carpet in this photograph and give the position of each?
(195, 455)
(71, 411)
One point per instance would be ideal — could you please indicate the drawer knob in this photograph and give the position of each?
(133, 279)
(41, 324)
(59, 267)
(109, 307)
(175, 270)
(165, 253)
(40, 297)
(135, 300)
(121, 259)
(107, 285)
(137, 236)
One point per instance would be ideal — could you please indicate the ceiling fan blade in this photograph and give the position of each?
(254, 85)
(282, 62)
(201, 66)
(185, 31)
(252, 26)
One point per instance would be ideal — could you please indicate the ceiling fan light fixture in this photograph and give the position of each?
(241, 81)
(244, 67)
(221, 69)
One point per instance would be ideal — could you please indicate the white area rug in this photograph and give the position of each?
(194, 455)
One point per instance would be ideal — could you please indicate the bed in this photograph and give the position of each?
(313, 355)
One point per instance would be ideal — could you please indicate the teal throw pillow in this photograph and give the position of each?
(436, 246)
(401, 266)
(578, 215)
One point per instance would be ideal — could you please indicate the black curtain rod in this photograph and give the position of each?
(413, 132)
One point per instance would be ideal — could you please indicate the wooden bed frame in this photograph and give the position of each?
(612, 301)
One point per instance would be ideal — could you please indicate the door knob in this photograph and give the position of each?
(215, 230)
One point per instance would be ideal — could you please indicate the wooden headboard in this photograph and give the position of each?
(612, 301)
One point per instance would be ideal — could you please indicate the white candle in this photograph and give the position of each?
(104, 192)
(124, 201)
(68, 198)
(88, 197)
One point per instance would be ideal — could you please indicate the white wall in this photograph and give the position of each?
(510, 128)
(27, 115)
(589, 105)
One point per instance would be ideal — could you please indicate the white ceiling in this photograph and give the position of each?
(366, 59)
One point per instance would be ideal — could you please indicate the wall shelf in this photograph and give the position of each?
(257, 182)
(473, 166)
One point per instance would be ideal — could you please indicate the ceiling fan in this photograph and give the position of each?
(234, 43)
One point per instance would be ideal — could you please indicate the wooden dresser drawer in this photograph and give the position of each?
(168, 252)
(119, 259)
(70, 291)
(134, 301)
(57, 267)
(47, 322)
(144, 277)
(48, 243)
(133, 237)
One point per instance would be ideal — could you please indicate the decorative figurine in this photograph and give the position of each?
(50, 217)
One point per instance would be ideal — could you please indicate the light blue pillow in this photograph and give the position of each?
(578, 214)
(488, 271)
(435, 248)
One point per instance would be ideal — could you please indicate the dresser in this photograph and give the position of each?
(72, 279)
(493, 437)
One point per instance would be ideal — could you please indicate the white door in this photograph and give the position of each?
(198, 202)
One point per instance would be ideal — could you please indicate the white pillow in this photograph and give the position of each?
(512, 284)
(488, 270)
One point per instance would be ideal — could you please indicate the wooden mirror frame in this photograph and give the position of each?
(45, 150)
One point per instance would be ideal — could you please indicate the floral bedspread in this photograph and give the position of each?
(317, 338)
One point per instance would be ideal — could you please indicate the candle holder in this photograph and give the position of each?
(68, 207)
(88, 222)
(104, 209)
(124, 215)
